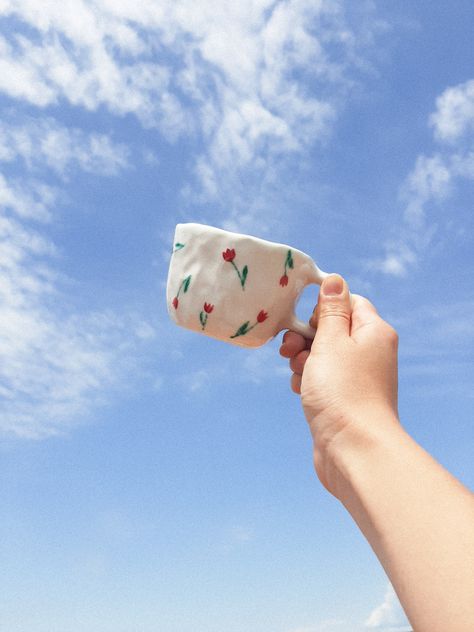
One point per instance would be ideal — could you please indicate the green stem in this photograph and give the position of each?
(184, 283)
(240, 276)
(180, 288)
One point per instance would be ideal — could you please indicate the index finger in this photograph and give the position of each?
(293, 343)
(363, 313)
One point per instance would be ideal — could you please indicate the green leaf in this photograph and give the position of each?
(242, 330)
(289, 260)
(187, 282)
(201, 318)
(245, 271)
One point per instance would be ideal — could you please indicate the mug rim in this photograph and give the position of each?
(259, 240)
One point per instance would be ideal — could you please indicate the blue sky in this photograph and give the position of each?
(154, 480)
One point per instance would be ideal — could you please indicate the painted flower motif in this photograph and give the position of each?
(246, 327)
(184, 286)
(229, 256)
(289, 265)
(203, 316)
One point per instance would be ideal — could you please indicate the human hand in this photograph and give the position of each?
(347, 377)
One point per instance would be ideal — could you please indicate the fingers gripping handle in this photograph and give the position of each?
(316, 276)
(302, 328)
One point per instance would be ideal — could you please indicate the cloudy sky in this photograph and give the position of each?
(158, 481)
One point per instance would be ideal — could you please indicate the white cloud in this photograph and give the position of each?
(56, 364)
(28, 200)
(249, 83)
(454, 115)
(389, 615)
(251, 80)
(430, 180)
(433, 180)
(399, 257)
(44, 143)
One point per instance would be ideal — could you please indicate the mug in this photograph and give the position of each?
(236, 288)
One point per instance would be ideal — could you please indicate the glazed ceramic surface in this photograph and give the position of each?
(236, 288)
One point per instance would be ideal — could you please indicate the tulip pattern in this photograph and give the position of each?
(184, 286)
(229, 256)
(289, 264)
(203, 316)
(246, 327)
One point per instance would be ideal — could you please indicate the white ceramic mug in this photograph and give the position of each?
(236, 288)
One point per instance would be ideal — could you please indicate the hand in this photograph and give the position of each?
(347, 377)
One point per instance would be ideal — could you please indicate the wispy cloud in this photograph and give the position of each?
(454, 114)
(251, 82)
(46, 144)
(433, 179)
(246, 85)
(388, 616)
(28, 199)
(56, 362)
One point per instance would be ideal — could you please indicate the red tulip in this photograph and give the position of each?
(229, 255)
(262, 315)
(175, 302)
(208, 308)
(284, 280)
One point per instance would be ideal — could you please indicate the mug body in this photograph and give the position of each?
(236, 288)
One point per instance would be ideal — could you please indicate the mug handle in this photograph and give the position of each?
(315, 276)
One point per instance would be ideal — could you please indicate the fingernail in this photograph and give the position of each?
(332, 285)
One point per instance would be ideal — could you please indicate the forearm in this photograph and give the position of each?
(418, 519)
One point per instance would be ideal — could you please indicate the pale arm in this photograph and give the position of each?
(418, 518)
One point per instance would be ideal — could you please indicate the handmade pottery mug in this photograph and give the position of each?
(236, 288)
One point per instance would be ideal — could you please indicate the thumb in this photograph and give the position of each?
(334, 308)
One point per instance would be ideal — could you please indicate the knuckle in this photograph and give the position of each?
(390, 335)
(296, 384)
(297, 362)
(334, 311)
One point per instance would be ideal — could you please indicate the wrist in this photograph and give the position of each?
(354, 447)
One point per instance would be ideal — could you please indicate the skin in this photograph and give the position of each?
(417, 517)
